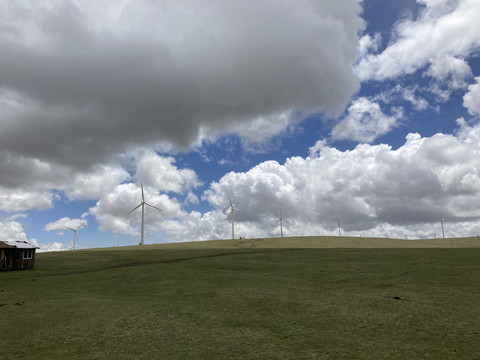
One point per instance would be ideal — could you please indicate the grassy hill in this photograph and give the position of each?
(313, 242)
(290, 298)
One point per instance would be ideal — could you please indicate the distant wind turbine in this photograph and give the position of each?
(338, 223)
(281, 219)
(75, 235)
(232, 213)
(142, 204)
(443, 231)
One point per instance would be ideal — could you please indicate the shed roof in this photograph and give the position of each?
(16, 244)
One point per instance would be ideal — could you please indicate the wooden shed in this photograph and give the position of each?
(16, 255)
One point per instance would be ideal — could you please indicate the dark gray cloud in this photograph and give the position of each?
(80, 82)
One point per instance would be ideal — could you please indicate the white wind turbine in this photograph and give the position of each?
(338, 223)
(142, 204)
(281, 219)
(443, 230)
(232, 212)
(75, 235)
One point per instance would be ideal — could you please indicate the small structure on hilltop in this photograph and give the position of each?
(16, 255)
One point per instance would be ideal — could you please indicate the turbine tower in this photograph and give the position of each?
(142, 204)
(338, 223)
(232, 212)
(75, 235)
(281, 219)
(443, 231)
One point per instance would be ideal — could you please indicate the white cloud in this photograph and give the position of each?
(372, 189)
(365, 122)
(450, 74)
(91, 185)
(444, 33)
(12, 230)
(191, 198)
(471, 100)
(161, 173)
(409, 94)
(19, 200)
(369, 44)
(112, 210)
(55, 246)
(444, 66)
(195, 226)
(65, 222)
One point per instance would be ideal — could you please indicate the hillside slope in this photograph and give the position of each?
(327, 242)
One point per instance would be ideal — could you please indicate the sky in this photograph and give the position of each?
(359, 113)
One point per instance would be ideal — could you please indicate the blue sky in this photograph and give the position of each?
(363, 113)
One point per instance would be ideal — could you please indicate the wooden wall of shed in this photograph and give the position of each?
(12, 259)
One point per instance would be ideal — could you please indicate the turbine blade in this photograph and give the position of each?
(153, 206)
(230, 201)
(79, 226)
(135, 208)
(66, 227)
(143, 197)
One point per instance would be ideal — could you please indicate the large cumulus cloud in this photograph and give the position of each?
(371, 188)
(80, 80)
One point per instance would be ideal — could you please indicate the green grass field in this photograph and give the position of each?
(291, 298)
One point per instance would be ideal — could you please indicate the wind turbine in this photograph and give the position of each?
(142, 204)
(281, 219)
(443, 231)
(75, 235)
(338, 223)
(232, 212)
